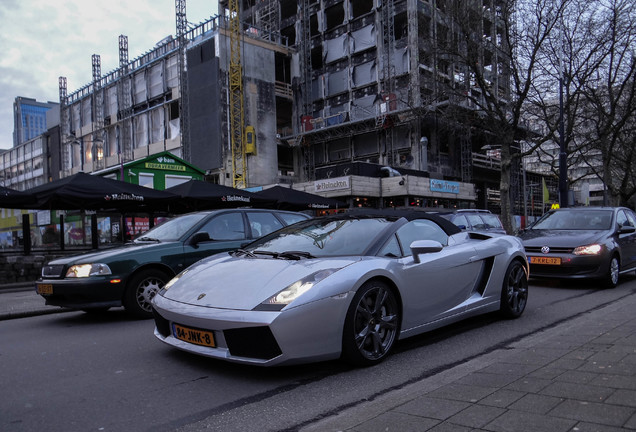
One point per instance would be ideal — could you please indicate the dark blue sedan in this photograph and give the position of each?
(582, 243)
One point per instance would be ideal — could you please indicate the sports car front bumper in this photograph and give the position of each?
(310, 332)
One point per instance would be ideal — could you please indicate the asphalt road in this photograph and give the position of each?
(77, 372)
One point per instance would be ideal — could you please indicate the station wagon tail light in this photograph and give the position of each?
(593, 249)
(86, 270)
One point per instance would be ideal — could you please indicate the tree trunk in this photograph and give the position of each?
(504, 190)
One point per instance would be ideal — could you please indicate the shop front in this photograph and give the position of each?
(71, 229)
(397, 191)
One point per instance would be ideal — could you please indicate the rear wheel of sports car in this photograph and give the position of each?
(371, 325)
(514, 293)
(140, 291)
(611, 279)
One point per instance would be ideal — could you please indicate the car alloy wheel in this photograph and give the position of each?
(611, 280)
(514, 293)
(372, 324)
(141, 289)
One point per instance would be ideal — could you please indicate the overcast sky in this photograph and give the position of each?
(42, 40)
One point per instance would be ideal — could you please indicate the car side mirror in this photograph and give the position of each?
(201, 236)
(419, 247)
(626, 229)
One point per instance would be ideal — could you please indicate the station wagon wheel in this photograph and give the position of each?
(371, 326)
(514, 292)
(140, 291)
(611, 279)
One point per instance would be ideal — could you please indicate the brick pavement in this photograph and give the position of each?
(577, 376)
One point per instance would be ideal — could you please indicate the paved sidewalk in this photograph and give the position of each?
(578, 376)
(20, 300)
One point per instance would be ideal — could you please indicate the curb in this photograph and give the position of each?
(32, 313)
(17, 286)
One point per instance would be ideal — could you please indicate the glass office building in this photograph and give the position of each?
(29, 119)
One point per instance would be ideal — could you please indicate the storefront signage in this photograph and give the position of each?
(331, 184)
(444, 186)
(164, 166)
(165, 163)
(43, 217)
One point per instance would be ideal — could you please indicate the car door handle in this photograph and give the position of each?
(474, 258)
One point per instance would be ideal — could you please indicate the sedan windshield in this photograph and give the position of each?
(172, 229)
(575, 220)
(324, 238)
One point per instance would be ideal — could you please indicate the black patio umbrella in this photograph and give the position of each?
(292, 199)
(14, 199)
(199, 195)
(83, 191)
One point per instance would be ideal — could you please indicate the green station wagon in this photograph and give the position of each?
(130, 275)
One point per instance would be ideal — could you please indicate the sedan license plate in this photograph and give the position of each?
(545, 260)
(45, 289)
(194, 336)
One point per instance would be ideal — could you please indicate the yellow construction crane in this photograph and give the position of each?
(237, 128)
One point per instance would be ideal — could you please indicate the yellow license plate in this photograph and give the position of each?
(194, 336)
(545, 260)
(45, 289)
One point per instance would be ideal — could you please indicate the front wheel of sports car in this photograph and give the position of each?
(140, 291)
(514, 292)
(371, 326)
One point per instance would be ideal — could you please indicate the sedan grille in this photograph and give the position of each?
(252, 342)
(556, 250)
(53, 271)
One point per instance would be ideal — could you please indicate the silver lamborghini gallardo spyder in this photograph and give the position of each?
(343, 286)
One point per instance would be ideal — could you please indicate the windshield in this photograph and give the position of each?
(172, 229)
(491, 221)
(575, 220)
(323, 238)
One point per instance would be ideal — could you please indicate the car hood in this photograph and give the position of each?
(560, 238)
(243, 283)
(105, 255)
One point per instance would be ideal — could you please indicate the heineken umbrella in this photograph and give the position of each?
(14, 199)
(292, 199)
(199, 195)
(83, 191)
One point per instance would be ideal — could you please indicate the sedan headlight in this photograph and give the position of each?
(593, 249)
(86, 270)
(295, 290)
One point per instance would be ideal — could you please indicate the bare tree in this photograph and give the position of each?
(592, 52)
(610, 100)
(499, 88)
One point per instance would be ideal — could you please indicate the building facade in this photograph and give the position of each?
(339, 89)
(29, 118)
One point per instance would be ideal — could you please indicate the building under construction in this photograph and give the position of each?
(345, 98)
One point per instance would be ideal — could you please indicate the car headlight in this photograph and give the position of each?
(86, 270)
(593, 249)
(172, 281)
(295, 290)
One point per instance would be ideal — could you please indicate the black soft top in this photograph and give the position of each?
(395, 214)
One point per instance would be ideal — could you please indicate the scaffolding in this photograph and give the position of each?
(64, 128)
(268, 19)
(97, 150)
(125, 146)
(466, 150)
(182, 42)
(309, 165)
